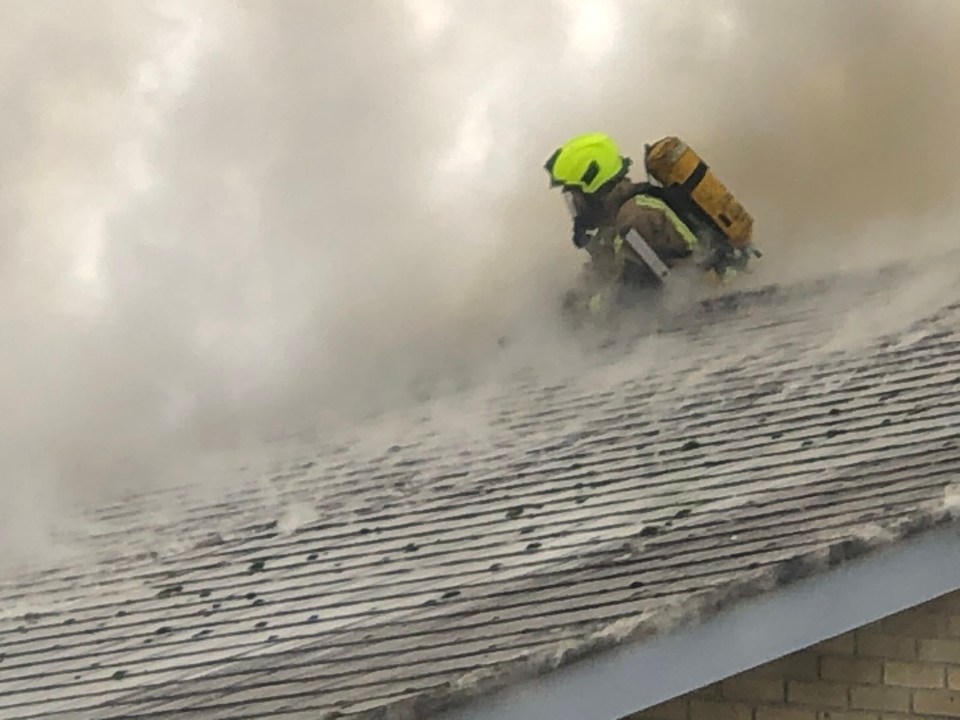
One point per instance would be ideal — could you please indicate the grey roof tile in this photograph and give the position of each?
(448, 547)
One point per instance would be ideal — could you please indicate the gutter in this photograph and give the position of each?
(626, 680)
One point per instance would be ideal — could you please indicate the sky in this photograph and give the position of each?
(222, 219)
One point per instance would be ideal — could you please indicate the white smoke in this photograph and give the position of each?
(222, 218)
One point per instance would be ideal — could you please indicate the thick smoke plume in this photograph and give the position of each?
(220, 219)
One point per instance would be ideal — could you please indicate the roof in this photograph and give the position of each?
(465, 544)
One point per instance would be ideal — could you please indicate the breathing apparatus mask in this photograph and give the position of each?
(583, 214)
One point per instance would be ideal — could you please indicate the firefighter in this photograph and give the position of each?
(605, 206)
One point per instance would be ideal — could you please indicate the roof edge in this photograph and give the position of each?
(611, 685)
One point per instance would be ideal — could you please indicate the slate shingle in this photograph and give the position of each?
(741, 449)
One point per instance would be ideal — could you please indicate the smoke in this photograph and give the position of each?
(224, 218)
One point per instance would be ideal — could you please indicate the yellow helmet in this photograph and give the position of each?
(587, 162)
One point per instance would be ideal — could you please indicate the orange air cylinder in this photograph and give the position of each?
(673, 163)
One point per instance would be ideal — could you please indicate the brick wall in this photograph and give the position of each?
(904, 666)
